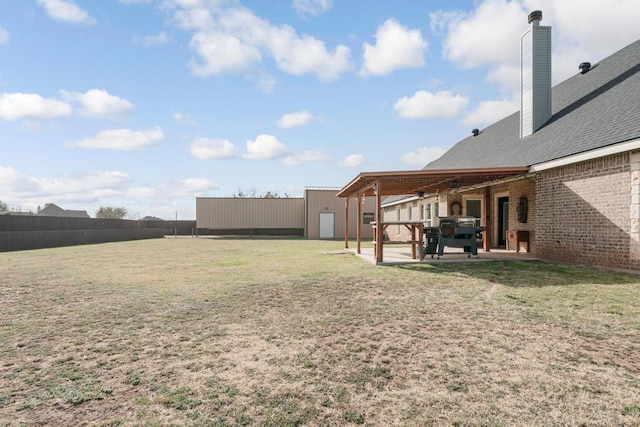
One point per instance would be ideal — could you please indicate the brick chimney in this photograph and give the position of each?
(535, 80)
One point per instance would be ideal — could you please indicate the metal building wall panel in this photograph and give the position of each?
(243, 213)
(325, 201)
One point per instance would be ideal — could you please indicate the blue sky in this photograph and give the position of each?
(147, 104)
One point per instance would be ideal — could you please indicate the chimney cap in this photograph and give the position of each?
(584, 67)
(536, 15)
(475, 132)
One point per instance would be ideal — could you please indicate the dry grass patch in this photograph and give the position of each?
(289, 332)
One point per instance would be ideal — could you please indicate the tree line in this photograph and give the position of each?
(256, 194)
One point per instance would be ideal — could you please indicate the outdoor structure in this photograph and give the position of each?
(51, 209)
(319, 215)
(325, 219)
(560, 178)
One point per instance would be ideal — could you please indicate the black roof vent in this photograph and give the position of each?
(536, 15)
(475, 132)
(584, 67)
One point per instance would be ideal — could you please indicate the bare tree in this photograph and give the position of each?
(3, 208)
(255, 194)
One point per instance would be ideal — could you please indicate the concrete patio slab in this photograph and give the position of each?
(402, 255)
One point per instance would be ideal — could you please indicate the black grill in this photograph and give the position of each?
(455, 232)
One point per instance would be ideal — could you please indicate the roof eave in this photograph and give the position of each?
(365, 182)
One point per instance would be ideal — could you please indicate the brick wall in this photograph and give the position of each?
(515, 190)
(583, 213)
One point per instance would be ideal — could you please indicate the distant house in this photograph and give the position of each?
(560, 178)
(51, 209)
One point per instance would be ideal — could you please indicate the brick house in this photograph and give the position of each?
(577, 197)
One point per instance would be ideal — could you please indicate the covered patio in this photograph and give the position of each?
(421, 183)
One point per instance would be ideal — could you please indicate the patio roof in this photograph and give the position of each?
(424, 181)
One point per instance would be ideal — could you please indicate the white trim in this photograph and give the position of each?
(589, 155)
(401, 201)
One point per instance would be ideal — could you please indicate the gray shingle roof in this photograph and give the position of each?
(589, 111)
(51, 209)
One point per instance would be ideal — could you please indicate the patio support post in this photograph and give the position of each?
(486, 242)
(359, 221)
(346, 223)
(379, 229)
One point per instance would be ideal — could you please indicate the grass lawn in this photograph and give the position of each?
(210, 332)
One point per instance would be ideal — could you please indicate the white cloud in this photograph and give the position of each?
(298, 118)
(16, 106)
(506, 77)
(189, 187)
(352, 160)
(231, 39)
(154, 40)
(427, 105)
(134, 1)
(206, 148)
(221, 53)
(489, 112)
(299, 55)
(120, 140)
(396, 47)
(184, 118)
(14, 185)
(100, 104)
(90, 190)
(67, 11)
(266, 147)
(31, 126)
(489, 36)
(4, 36)
(96, 181)
(20, 188)
(306, 157)
(264, 81)
(142, 192)
(194, 186)
(422, 156)
(311, 7)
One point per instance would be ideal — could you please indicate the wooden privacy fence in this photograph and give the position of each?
(31, 232)
(22, 240)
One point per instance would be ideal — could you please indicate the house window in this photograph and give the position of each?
(398, 219)
(474, 209)
(410, 213)
(421, 207)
